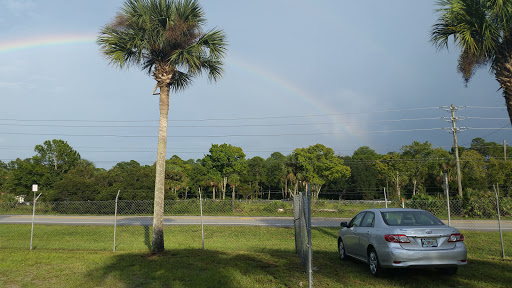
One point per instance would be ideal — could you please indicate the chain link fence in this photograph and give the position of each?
(95, 225)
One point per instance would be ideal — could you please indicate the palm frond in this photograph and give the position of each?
(215, 42)
(475, 27)
(181, 81)
(148, 33)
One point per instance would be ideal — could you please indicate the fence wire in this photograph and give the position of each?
(89, 225)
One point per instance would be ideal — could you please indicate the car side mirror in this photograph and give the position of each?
(343, 224)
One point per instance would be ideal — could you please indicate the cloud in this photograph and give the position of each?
(16, 11)
(12, 85)
(17, 7)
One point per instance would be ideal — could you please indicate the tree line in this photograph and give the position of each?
(416, 171)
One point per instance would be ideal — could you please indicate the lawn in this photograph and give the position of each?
(234, 257)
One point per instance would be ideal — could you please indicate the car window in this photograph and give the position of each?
(368, 219)
(410, 218)
(356, 221)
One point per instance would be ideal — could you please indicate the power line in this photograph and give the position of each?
(484, 107)
(221, 119)
(217, 126)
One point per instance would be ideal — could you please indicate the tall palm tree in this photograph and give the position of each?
(164, 38)
(482, 30)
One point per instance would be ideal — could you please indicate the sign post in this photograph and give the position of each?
(34, 189)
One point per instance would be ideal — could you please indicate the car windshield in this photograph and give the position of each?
(410, 218)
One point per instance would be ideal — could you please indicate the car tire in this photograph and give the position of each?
(374, 264)
(342, 253)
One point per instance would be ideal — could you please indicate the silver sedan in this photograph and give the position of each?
(401, 238)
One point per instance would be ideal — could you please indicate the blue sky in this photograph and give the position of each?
(344, 74)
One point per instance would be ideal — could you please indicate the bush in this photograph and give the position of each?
(274, 206)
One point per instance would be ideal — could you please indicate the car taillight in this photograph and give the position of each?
(456, 237)
(395, 238)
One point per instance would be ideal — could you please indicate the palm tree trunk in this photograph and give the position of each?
(233, 198)
(502, 67)
(286, 188)
(224, 188)
(158, 212)
(504, 77)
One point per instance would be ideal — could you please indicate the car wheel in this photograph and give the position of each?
(341, 250)
(373, 261)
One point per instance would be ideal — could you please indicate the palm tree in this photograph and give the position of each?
(482, 30)
(164, 38)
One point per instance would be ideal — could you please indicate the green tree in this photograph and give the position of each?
(394, 169)
(255, 173)
(499, 172)
(419, 157)
(442, 162)
(21, 175)
(365, 175)
(56, 158)
(214, 179)
(473, 170)
(197, 177)
(276, 171)
(175, 175)
(318, 164)
(3, 176)
(234, 181)
(226, 159)
(165, 38)
(482, 30)
(133, 180)
(57, 155)
(488, 149)
(79, 184)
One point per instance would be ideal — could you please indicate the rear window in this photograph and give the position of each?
(410, 218)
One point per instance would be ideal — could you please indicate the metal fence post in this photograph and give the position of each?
(115, 220)
(499, 221)
(310, 249)
(296, 221)
(201, 209)
(385, 197)
(33, 217)
(447, 192)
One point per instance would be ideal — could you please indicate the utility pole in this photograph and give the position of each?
(397, 185)
(504, 150)
(454, 130)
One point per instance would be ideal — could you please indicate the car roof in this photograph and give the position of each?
(392, 209)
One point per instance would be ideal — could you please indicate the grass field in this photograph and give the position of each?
(234, 257)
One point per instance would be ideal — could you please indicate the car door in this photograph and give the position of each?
(364, 233)
(351, 238)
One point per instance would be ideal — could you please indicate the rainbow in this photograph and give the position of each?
(14, 45)
(343, 125)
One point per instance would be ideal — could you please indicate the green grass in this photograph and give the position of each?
(234, 257)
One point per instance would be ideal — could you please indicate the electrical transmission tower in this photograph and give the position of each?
(454, 129)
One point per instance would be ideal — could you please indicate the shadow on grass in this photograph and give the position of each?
(327, 232)
(200, 268)
(280, 268)
(353, 273)
(147, 240)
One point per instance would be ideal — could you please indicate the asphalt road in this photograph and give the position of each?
(475, 225)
